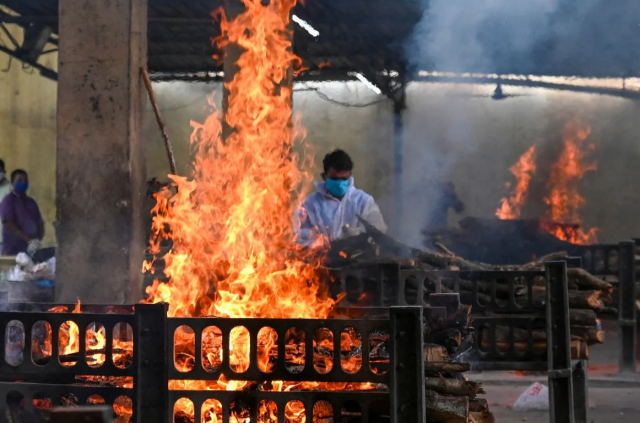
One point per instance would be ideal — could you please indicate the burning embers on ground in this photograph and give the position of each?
(563, 198)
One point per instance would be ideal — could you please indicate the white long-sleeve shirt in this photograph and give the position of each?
(323, 214)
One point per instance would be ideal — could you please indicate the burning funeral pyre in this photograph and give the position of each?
(511, 239)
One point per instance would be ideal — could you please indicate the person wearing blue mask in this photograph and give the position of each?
(22, 224)
(332, 211)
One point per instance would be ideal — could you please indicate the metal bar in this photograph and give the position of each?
(398, 163)
(580, 391)
(529, 83)
(44, 71)
(558, 344)
(627, 306)
(82, 414)
(407, 366)
(150, 355)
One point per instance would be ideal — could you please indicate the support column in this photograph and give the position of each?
(100, 157)
(399, 104)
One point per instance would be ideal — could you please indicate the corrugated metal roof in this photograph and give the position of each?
(354, 35)
(371, 35)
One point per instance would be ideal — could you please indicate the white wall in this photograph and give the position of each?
(450, 135)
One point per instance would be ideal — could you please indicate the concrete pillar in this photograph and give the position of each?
(100, 156)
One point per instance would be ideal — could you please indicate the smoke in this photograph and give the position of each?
(470, 35)
(555, 37)
(452, 135)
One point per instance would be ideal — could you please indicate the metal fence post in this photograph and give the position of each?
(407, 366)
(627, 306)
(151, 385)
(580, 391)
(558, 344)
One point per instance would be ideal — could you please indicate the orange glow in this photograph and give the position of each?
(523, 170)
(564, 199)
(234, 252)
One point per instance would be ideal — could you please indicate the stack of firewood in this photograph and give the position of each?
(588, 294)
(451, 397)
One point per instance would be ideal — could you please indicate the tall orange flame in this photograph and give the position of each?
(564, 199)
(234, 252)
(523, 170)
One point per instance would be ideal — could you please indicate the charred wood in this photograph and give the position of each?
(582, 318)
(435, 353)
(444, 409)
(435, 367)
(586, 280)
(454, 387)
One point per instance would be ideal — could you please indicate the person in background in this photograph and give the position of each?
(447, 199)
(5, 189)
(332, 211)
(22, 224)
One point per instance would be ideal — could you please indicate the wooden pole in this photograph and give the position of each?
(161, 124)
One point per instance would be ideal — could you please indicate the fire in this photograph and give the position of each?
(564, 199)
(234, 252)
(523, 170)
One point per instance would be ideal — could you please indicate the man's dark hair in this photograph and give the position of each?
(339, 160)
(17, 172)
(2, 164)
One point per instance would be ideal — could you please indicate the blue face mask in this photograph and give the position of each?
(22, 187)
(337, 187)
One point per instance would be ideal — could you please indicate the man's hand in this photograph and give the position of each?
(34, 245)
(349, 231)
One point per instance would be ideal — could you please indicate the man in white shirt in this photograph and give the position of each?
(332, 211)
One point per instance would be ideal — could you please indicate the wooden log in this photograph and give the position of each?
(455, 387)
(435, 353)
(586, 280)
(481, 417)
(579, 348)
(582, 318)
(469, 298)
(539, 263)
(446, 367)
(461, 319)
(445, 409)
(609, 311)
(394, 247)
(502, 290)
(591, 335)
(447, 337)
(478, 405)
(577, 299)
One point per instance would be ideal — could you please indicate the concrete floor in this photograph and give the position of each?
(612, 398)
(607, 405)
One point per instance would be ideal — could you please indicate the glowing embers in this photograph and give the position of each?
(266, 411)
(68, 344)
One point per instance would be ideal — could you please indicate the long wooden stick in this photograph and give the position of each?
(163, 129)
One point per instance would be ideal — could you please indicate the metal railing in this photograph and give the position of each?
(153, 364)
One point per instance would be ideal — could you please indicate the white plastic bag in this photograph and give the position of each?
(535, 397)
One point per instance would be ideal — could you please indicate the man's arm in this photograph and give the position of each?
(15, 230)
(8, 218)
(373, 215)
(302, 226)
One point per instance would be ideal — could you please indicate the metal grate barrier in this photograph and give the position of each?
(153, 360)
